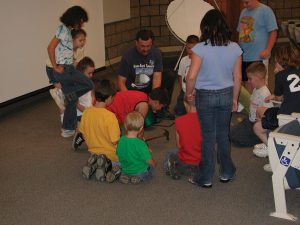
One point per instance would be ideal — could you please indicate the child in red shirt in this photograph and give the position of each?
(189, 141)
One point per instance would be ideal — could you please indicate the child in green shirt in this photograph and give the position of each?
(133, 153)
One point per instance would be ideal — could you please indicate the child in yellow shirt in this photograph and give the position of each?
(101, 132)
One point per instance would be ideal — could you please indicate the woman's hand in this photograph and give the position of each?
(234, 105)
(191, 97)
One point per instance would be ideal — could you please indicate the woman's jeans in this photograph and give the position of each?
(214, 113)
(74, 84)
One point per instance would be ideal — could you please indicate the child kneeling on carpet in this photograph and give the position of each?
(133, 153)
(185, 161)
(100, 129)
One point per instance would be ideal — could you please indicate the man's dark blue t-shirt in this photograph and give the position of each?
(139, 69)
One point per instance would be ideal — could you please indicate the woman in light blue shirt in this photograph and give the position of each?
(215, 79)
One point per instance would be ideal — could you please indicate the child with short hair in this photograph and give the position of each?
(183, 69)
(101, 132)
(86, 66)
(79, 38)
(287, 90)
(242, 134)
(60, 50)
(188, 140)
(133, 153)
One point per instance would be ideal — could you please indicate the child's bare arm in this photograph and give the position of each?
(51, 52)
(142, 108)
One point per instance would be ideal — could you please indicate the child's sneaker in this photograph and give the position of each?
(77, 140)
(135, 180)
(261, 152)
(124, 179)
(57, 95)
(113, 174)
(90, 168)
(268, 168)
(67, 133)
(261, 145)
(104, 165)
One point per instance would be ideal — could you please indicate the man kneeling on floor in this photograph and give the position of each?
(100, 130)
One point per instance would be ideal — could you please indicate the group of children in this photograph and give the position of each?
(265, 107)
(102, 110)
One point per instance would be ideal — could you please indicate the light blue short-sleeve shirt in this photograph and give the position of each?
(254, 27)
(216, 70)
(64, 50)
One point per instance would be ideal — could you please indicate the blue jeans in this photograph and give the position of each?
(214, 113)
(147, 175)
(50, 75)
(74, 84)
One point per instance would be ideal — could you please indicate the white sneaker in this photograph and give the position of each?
(261, 145)
(240, 107)
(268, 168)
(261, 152)
(57, 95)
(67, 133)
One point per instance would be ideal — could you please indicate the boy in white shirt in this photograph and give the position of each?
(242, 134)
(184, 66)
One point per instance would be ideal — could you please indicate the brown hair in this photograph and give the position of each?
(134, 121)
(258, 69)
(103, 89)
(288, 57)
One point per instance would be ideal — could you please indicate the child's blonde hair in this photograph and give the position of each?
(257, 69)
(288, 56)
(134, 121)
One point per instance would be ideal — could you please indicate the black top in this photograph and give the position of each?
(287, 83)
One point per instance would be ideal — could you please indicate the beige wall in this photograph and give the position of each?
(27, 28)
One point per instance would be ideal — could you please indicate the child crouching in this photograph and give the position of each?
(133, 153)
(101, 132)
(185, 161)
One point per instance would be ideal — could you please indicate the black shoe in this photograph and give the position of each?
(225, 180)
(77, 140)
(207, 185)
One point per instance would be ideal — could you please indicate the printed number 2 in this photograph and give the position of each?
(294, 86)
